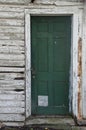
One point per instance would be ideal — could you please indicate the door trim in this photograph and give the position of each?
(76, 21)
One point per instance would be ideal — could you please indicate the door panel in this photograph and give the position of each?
(50, 51)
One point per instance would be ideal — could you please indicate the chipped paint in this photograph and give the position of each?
(79, 76)
(15, 87)
(65, 10)
(84, 65)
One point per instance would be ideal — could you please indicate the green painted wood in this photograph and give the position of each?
(50, 50)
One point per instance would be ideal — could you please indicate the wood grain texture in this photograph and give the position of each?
(11, 76)
(11, 49)
(12, 15)
(58, 2)
(12, 117)
(25, 2)
(11, 22)
(10, 110)
(11, 36)
(12, 63)
(14, 2)
(11, 97)
(12, 60)
(8, 83)
(17, 43)
(11, 103)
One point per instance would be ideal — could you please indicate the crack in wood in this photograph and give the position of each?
(18, 90)
(32, 1)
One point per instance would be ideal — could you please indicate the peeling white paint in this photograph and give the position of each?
(74, 12)
(28, 65)
(58, 2)
(12, 54)
(84, 64)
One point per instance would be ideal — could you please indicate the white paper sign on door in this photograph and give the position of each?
(43, 101)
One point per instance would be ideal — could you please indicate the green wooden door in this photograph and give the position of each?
(50, 48)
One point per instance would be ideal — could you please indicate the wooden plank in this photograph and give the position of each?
(17, 43)
(12, 15)
(8, 96)
(11, 87)
(11, 36)
(15, 92)
(15, 63)
(11, 22)
(10, 110)
(13, 103)
(11, 76)
(11, 69)
(11, 82)
(11, 29)
(11, 49)
(12, 57)
(59, 3)
(39, 1)
(10, 8)
(14, 1)
(12, 117)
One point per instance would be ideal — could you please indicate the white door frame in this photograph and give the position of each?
(76, 28)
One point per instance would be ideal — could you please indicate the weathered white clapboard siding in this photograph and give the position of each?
(11, 49)
(12, 87)
(12, 117)
(14, 1)
(16, 43)
(11, 36)
(12, 69)
(11, 92)
(10, 110)
(10, 29)
(11, 22)
(11, 15)
(11, 76)
(11, 97)
(56, 2)
(12, 64)
(13, 103)
(28, 1)
(11, 8)
(12, 82)
(12, 59)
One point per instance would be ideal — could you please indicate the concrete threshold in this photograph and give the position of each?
(48, 123)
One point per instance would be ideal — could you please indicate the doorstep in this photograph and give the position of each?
(48, 123)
